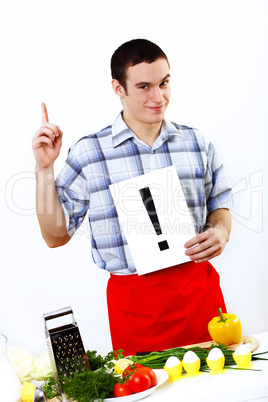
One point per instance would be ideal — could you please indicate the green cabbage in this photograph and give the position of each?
(27, 367)
(21, 361)
(41, 368)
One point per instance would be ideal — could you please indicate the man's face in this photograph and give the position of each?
(147, 93)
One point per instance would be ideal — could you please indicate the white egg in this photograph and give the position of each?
(172, 361)
(242, 350)
(190, 357)
(215, 354)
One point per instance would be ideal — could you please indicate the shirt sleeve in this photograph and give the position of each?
(72, 190)
(217, 186)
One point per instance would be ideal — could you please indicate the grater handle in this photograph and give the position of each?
(58, 313)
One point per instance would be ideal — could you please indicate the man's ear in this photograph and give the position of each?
(118, 89)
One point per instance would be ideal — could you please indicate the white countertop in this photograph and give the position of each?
(232, 386)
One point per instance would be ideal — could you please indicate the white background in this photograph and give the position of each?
(59, 52)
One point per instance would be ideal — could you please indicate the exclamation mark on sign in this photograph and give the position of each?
(150, 207)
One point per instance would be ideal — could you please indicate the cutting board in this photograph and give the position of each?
(251, 342)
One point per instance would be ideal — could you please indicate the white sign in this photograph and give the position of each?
(155, 219)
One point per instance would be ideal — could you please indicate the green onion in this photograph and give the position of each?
(157, 360)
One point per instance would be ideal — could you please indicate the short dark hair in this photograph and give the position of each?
(131, 53)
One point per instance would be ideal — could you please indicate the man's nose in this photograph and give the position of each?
(157, 95)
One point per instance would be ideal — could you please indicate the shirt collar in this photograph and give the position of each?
(121, 132)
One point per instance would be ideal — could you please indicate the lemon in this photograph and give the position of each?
(27, 392)
(121, 365)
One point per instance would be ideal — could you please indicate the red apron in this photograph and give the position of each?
(164, 309)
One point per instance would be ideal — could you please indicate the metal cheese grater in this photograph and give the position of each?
(65, 346)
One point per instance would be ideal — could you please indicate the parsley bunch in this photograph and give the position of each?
(97, 361)
(51, 388)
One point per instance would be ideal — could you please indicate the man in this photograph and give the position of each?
(173, 306)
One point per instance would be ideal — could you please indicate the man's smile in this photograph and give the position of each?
(156, 108)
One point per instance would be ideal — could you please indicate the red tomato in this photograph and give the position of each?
(122, 390)
(126, 384)
(131, 369)
(139, 381)
(151, 374)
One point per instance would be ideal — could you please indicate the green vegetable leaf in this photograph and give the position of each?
(97, 361)
(50, 388)
(90, 386)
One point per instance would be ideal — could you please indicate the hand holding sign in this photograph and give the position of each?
(210, 243)
(47, 141)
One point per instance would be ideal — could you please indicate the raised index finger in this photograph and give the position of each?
(44, 115)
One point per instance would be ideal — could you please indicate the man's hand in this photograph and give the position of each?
(47, 141)
(210, 243)
(46, 147)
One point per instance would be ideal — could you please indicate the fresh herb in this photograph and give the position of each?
(99, 383)
(51, 388)
(157, 360)
(97, 361)
(89, 386)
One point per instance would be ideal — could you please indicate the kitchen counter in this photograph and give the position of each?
(232, 386)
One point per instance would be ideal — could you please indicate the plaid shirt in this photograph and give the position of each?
(115, 154)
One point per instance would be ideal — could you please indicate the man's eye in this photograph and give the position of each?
(164, 83)
(144, 87)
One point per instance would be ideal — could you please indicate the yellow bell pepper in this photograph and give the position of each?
(225, 329)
